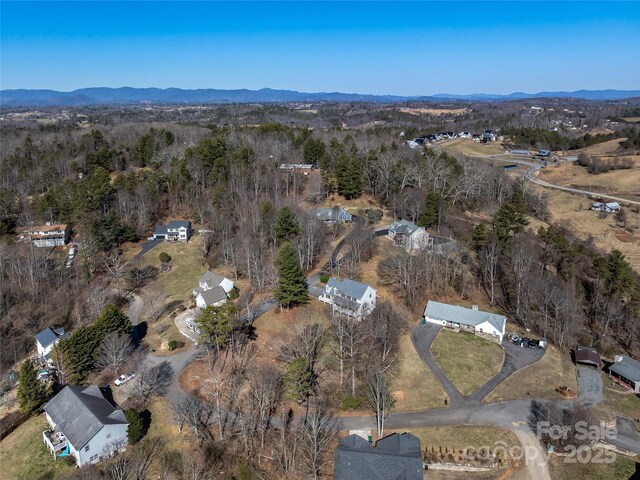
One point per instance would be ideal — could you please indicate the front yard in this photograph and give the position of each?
(539, 379)
(467, 360)
(23, 455)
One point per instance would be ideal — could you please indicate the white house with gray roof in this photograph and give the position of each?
(485, 324)
(349, 297)
(175, 230)
(212, 289)
(47, 339)
(410, 236)
(84, 425)
(333, 215)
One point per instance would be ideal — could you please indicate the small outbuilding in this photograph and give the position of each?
(587, 356)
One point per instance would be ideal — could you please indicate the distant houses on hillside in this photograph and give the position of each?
(301, 168)
(47, 339)
(610, 207)
(175, 230)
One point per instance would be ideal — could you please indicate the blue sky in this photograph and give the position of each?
(382, 48)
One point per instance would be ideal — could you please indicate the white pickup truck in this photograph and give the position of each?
(124, 378)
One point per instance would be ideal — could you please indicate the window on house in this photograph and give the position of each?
(109, 436)
(86, 449)
(94, 458)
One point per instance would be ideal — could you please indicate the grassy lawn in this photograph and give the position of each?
(415, 387)
(622, 469)
(618, 400)
(539, 379)
(23, 454)
(468, 360)
(186, 268)
(461, 436)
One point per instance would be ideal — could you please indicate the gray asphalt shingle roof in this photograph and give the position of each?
(463, 315)
(49, 335)
(348, 287)
(395, 457)
(178, 224)
(214, 295)
(211, 278)
(628, 368)
(404, 227)
(81, 412)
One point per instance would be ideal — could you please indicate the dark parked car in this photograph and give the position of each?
(524, 342)
(533, 343)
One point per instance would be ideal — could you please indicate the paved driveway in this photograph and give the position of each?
(181, 324)
(590, 385)
(515, 358)
(148, 245)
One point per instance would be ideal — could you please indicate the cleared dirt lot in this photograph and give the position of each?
(434, 111)
(466, 146)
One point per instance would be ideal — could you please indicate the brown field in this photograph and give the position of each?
(632, 119)
(573, 211)
(604, 148)
(613, 182)
(434, 111)
(466, 146)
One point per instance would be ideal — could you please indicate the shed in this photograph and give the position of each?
(587, 356)
(626, 371)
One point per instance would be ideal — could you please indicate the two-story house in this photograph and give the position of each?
(213, 289)
(47, 339)
(175, 230)
(84, 425)
(349, 297)
(410, 236)
(49, 235)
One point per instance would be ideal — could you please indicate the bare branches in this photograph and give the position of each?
(115, 349)
(152, 381)
(380, 399)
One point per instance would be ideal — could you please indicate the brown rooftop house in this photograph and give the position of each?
(49, 235)
(626, 371)
(587, 356)
(394, 457)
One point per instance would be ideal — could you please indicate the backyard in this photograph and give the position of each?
(24, 456)
(467, 360)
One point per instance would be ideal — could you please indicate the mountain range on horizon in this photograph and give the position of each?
(136, 96)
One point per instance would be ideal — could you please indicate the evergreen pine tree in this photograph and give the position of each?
(31, 391)
(286, 224)
(299, 379)
(292, 286)
(135, 430)
(431, 212)
(349, 177)
(479, 236)
(112, 319)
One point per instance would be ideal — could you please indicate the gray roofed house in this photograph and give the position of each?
(174, 230)
(333, 215)
(410, 236)
(85, 424)
(47, 339)
(394, 457)
(212, 289)
(486, 324)
(349, 297)
(627, 371)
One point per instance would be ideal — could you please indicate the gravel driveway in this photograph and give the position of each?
(589, 384)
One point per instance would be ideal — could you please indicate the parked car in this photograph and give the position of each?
(533, 343)
(542, 343)
(516, 339)
(124, 378)
(524, 342)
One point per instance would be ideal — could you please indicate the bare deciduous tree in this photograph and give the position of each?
(115, 349)
(380, 399)
(153, 380)
(319, 431)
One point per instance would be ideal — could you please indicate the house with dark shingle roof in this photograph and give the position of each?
(394, 457)
(212, 289)
(47, 339)
(587, 356)
(410, 236)
(626, 371)
(485, 324)
(84, 425)
(175, 230)
(333, 215)
(349, 297)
